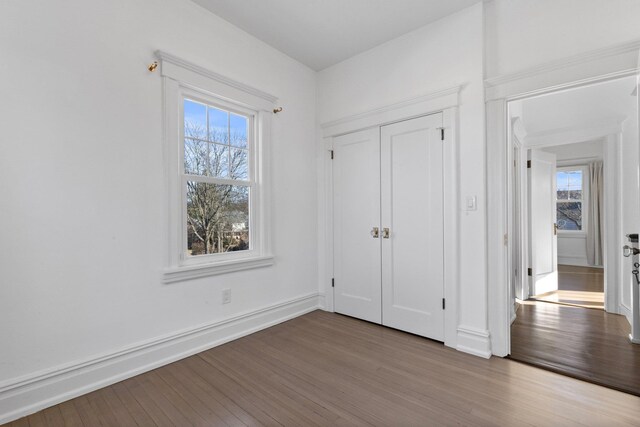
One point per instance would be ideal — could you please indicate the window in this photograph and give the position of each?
(570, 199)
(217, 178)
(217, 135)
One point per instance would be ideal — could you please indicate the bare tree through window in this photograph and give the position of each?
(217, 185)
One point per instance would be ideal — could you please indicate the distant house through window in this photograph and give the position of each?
(570, 199)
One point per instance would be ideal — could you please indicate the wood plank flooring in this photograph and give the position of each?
(592, 345)
(581, 286)
(332, 370)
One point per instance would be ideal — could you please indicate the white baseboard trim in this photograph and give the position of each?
(322, 301)
(573, 260)
(23, 396)
(474, 341)
(625, 311)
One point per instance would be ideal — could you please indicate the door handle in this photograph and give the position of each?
(555, 229)
(627, 251)
(385, 233)
(375, 232)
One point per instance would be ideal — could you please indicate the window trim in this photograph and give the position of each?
(584, 200)
(181, 79)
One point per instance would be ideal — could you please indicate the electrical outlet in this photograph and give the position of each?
(226, 296)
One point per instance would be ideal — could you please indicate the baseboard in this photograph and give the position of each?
(625, 311)
(26, 395)
(474, 341)
(574, 261)
(322, 301)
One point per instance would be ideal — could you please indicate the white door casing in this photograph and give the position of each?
(412, 202)
(634, 336)
(542, 223)
(356, 190)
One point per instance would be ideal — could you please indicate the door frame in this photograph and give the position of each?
(572, 72)
(444, 101)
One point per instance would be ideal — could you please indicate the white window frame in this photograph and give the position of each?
(181, 80)
(584, 201)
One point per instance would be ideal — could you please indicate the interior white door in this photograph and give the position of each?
(356, 190)
(634, 336)
(542, 214)
(412, 212)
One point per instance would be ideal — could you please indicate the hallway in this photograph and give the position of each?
(581, 286)
(556, 332)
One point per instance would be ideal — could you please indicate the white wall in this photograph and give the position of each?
(82, 200)
(572, 154)
(438, 56)
(522, 33)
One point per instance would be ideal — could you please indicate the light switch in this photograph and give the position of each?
(471, 203)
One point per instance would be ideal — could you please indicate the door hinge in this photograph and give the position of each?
(333, 282)
(331, 154)
(528, 164)
(529, 272)
(441, 134)
(443, 303)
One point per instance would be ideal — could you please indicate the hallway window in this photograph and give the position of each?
(570, 199)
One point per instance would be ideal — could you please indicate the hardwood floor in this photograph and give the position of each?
(565, 337)
(581, 286)
(328, 369)
(592, 345)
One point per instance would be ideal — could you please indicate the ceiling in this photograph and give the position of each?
(321, 33)
(582, 107)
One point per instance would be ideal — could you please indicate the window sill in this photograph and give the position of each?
(572, 234)
(180, 274)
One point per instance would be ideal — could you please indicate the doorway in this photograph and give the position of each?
(573, 198)
(567, 224)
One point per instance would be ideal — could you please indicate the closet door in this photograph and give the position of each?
(412, 212)
(356, 190)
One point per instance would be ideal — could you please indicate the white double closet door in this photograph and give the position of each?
(388, 226)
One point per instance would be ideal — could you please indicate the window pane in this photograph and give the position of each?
(575, 179)
(195, 120)
(569, 215)
(238, 130)
(239, 164)
(218, 160)
(563, 194)
(218, 126)
(195, 157)
(217, 218)
(569, 185)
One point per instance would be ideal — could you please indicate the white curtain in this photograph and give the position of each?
(594, 222)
